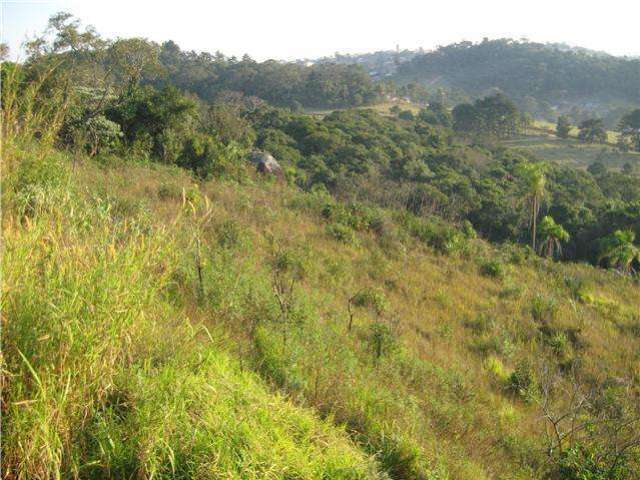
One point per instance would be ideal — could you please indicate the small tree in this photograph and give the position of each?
(535, 191)
(597, 168)
(563, 127)
(382, 338)
(592, 131)
(591, 433)
(286, 271)
(200, 210)
(620, 252)
(552, 235)
(367, 298)
(629, 128)
(526, 120)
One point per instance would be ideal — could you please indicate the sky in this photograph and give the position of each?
(288, 29)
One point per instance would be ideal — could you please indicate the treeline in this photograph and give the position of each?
(324, 85)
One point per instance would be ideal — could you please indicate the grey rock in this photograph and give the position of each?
(265, 163)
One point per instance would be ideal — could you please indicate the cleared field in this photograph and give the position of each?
(572, 152)
(382, 108)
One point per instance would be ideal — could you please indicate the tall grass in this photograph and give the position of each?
(105, 375)
(145, 339)
(33, 107)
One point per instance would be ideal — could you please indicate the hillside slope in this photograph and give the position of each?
(159, 327)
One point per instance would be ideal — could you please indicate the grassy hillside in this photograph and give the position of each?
(112, 371)
(159, 327)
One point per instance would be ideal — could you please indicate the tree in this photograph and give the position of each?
(619, 251)
(494, 115)
(466, 118)
(592, 131)
(160, 118)
(597, 168)
(526, 120)
(627, 168)
(535, 191)
(629, 128)
(563, 126)
(551, 235)
(4, 52)
(500, 114)
(436, 114)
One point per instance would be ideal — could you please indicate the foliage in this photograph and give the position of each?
(288, 84)
(493, 115)
(592, 130)
(535, 74)
(619, 251)
(397, 394)
(563, 126)
(552, 236)
(629, 128)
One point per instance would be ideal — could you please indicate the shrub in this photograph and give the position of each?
(582, 463)
(342, 233)
(522, 381)
(441, 237)
(543, 309)
(492, 268)
(229, 234)
(372, 299)
(208, 157)
(480, 324)
(496, 369)
(168, 191)
(382, 339)
(101, 135)
(575, 285)
(468, 231)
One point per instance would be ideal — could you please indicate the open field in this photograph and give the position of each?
(572, 152)
(382, 107)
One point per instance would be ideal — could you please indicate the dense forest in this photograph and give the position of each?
(285, 84)
(404, 298)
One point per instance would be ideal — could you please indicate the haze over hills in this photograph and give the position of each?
(543, 78)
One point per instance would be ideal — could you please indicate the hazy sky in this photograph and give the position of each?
(288, 29)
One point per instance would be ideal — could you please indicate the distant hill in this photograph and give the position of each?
(555, 74)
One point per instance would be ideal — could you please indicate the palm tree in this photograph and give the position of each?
(552, 235)
(535, 192)
(620, 252)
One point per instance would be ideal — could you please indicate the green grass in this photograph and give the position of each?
(380, 107)
(120, 362)
(572, 152)
(107, 374)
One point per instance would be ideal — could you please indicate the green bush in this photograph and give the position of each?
(543, 309)
(492, 268)
(382, 339)
(522, 381)
(582, 463)
(342, 233)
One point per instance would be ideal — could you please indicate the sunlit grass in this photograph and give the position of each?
(119, 362)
